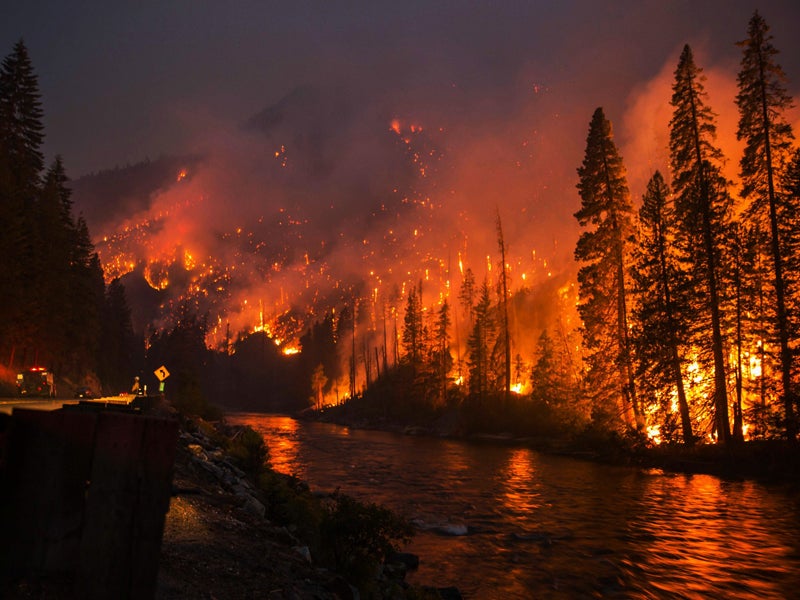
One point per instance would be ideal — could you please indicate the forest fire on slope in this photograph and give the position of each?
(283, 264)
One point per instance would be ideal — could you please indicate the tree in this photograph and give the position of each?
(318, 383)
(763, 102)
(119, 358)
(790, 240)
(480, 343)
(504, 332)
(466, 295)
(21, 164)
(443, 360)
(659, 284)
(603, 251)
(21, 129)
(413, 333)
(703, 206)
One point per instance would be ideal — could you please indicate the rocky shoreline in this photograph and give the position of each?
(218, 542)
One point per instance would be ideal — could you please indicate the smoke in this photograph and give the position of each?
(393, 164)
(644, 131)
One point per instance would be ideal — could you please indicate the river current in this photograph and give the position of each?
(507, 522)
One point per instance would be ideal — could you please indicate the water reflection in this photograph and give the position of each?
(517, 484)
(280, 436)
(510, 523)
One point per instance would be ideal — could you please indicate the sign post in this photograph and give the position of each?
(161, 373)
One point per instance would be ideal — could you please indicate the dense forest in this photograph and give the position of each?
(689, 306)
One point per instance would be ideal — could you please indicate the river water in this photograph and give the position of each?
(505, 522)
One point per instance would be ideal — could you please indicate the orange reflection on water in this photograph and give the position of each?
(281, 439)
(706, 536)
(516, 492)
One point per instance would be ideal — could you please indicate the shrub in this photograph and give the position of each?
(360, 536)
(248, 449)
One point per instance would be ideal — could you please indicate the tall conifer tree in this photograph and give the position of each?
(659, 284)
(763, 102)
(21, 164)
(602, 251)
(702, 203)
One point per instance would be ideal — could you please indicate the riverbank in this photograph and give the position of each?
(231, 535)
(235, 529)
(770, 461)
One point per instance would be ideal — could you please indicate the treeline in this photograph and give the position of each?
(55, 309)
(689, 306)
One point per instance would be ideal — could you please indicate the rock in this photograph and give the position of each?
(196, 449)
(211, 468)
(304, 552)
(254, 507)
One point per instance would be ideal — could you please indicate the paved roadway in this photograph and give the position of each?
(8, 404)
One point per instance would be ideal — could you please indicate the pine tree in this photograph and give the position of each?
(703, 205)
(413, 332)
(505, 338)
(659, 284)
(21, 163)
(790, 248)
(763, 102)
(603, 252)
(52, 271)
(466, 295)
(21, 129)
(443, 358)
(480, 344)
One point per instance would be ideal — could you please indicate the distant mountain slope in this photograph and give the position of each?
(105, 196)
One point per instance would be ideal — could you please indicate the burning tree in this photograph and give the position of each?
(605, 208)
(762, 102)
(703, 206)
(660, 283)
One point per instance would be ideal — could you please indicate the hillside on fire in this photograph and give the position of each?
(335, 249)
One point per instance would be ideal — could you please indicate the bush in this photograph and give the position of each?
(360, 536)
(247, 448)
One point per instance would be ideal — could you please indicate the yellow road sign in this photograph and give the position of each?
(162, 373)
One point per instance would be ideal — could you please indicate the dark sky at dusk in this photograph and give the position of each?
(121, 81)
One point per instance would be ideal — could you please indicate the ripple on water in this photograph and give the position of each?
(523, 525)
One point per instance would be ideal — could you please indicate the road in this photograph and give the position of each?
(8, 404)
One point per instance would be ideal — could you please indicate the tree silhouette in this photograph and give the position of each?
(702, 204)
(603, 251)
(763, 102)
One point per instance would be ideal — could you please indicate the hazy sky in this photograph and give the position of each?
(503, 90)
(122, 81)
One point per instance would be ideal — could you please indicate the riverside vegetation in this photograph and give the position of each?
(289, 541)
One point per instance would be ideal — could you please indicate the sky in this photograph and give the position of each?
(122, 81)
(504, 92)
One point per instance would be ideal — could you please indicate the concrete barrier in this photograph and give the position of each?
(87, 492)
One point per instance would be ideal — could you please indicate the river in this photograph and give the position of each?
(507, 522)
